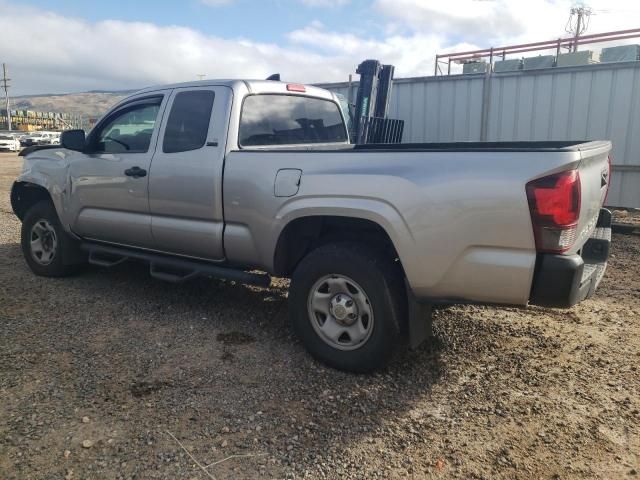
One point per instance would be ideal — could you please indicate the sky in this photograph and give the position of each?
(60, 46)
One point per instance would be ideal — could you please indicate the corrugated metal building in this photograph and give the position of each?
(600, 101)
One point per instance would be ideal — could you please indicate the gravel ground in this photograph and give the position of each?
(101, 375)
(629, 217)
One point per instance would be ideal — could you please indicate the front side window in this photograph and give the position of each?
(290, 120)
(188, 122)
(127, 131)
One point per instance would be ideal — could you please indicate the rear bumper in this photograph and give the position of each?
(561, 281)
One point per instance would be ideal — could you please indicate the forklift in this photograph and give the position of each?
(368, 117)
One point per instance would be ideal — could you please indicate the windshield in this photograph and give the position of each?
(6, 137)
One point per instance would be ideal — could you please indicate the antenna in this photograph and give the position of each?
(5, 85)
(578, 23)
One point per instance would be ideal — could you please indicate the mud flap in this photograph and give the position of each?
(420, 320)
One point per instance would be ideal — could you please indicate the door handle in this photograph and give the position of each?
(135, 172)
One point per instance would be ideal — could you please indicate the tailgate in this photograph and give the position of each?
(564, 279)
(594, 182)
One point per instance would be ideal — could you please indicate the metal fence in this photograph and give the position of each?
(380, 130)
(596, 102)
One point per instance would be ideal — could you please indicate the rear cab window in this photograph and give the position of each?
(274, 119)
(188, 122)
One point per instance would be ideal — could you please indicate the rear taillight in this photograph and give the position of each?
(554, 202)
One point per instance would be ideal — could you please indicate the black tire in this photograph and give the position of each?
(382, 282)
(65, 261)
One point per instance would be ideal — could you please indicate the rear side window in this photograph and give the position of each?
(188, 121)
(289, 120)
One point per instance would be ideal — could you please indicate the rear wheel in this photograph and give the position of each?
(47, 248)
(346, 305)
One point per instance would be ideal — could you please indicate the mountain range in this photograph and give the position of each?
(87, 104)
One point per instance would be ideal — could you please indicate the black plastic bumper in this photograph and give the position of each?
(561, 281)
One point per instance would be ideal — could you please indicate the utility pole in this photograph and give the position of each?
(582, 15)
(5, 85)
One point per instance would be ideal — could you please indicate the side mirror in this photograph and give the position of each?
(73, 140)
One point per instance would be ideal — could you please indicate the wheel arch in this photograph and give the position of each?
(306, 232)
(26, 194)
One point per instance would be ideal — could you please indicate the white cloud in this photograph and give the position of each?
(309, 3)
(413, 55)
(487, 23)
(325, 3)
(472, 18)
(493, 22)
(216, 3)
(65, 54)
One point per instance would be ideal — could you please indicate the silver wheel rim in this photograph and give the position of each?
(43, 242)
(340, 312)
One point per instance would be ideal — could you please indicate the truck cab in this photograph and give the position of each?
(176, 204)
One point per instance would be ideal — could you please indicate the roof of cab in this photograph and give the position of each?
(250, 86)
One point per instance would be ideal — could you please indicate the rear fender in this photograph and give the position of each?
(376, 211)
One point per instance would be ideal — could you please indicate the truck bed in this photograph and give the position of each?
(458, 213)
(544, 146)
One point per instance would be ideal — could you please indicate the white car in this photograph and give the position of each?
(9, 142)
(39, 138)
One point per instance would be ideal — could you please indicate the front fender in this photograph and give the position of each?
(47, 170)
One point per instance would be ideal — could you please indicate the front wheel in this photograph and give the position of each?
(346, 305)
(46, 247)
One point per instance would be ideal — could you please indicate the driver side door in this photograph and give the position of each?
(110, 179)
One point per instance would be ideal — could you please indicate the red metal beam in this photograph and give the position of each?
(621, 37)
(528, 47)
(487, 51)
(617, 32)
(535, 49)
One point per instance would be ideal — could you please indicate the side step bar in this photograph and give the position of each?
(171, 269)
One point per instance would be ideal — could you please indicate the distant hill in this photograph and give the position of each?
(88, 104)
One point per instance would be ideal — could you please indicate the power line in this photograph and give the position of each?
(5, 85)
(578, 23)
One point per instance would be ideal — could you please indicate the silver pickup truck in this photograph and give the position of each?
(241, 180)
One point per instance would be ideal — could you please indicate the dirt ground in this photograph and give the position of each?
(627, 218)
(112, 374)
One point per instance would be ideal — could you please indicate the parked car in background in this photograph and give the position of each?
(222, 178)
(39, 138)
(35, 138)
(9, 142)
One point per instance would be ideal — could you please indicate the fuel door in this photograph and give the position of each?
(287, 182)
